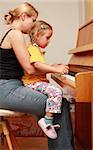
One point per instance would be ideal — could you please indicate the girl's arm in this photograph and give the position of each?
(45, 68)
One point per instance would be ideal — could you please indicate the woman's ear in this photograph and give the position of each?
(23, 16)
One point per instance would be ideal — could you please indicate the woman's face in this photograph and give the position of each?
(27, 23)
(43, 38)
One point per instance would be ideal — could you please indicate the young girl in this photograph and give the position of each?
(40, 35)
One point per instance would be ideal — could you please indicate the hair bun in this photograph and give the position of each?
(9, 17)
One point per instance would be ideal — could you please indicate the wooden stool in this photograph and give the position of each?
(4, 129)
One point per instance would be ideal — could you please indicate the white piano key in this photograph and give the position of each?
(72, 78)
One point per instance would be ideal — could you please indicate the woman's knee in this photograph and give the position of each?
(24, 99)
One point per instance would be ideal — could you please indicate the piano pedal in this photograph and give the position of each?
(72, 104)
(71, 100)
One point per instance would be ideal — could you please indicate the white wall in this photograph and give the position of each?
(81, 12)
(63, 15)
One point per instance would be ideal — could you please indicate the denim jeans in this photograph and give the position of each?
(65, 140)
(14, 96)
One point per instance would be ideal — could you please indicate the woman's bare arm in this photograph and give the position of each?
(19, 46)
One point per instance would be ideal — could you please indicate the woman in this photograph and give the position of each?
(14, 59)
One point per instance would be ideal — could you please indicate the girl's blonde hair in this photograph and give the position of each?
(38, 28)
(16, 13)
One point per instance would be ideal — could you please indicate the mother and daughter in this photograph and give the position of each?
(23, 76)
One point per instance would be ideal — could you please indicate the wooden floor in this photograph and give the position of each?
(31, 143)
(35, 143)
(28, 143)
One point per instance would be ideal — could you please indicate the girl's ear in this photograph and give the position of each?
(23, 16)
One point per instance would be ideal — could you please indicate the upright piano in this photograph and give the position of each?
(80, 80)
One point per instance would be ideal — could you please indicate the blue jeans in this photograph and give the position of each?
(15, 96)
(65, 140)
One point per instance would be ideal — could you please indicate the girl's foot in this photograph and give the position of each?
(48, 129)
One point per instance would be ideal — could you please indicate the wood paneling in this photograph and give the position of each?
(88, 9)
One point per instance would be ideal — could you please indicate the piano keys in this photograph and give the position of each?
(80, 80)
(65, 79)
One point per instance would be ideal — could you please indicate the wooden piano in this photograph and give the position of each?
(80, 79)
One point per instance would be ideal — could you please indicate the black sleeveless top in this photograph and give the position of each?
(10, 68)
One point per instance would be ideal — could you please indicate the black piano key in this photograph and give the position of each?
(72, 73)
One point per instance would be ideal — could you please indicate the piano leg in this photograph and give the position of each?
(83, 124)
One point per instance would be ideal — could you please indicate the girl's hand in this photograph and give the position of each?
(62, 68)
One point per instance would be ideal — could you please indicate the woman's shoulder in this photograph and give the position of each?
(16, 36)
(17, 33)
(10, 33)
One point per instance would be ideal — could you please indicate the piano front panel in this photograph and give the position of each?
(82, 59)
(92, 115)
(85, 34)
(83, 86)
(73, 69)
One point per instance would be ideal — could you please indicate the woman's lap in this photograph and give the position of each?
(14, 96)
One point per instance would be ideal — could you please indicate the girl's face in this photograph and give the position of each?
(27, 23)
(43, 38)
